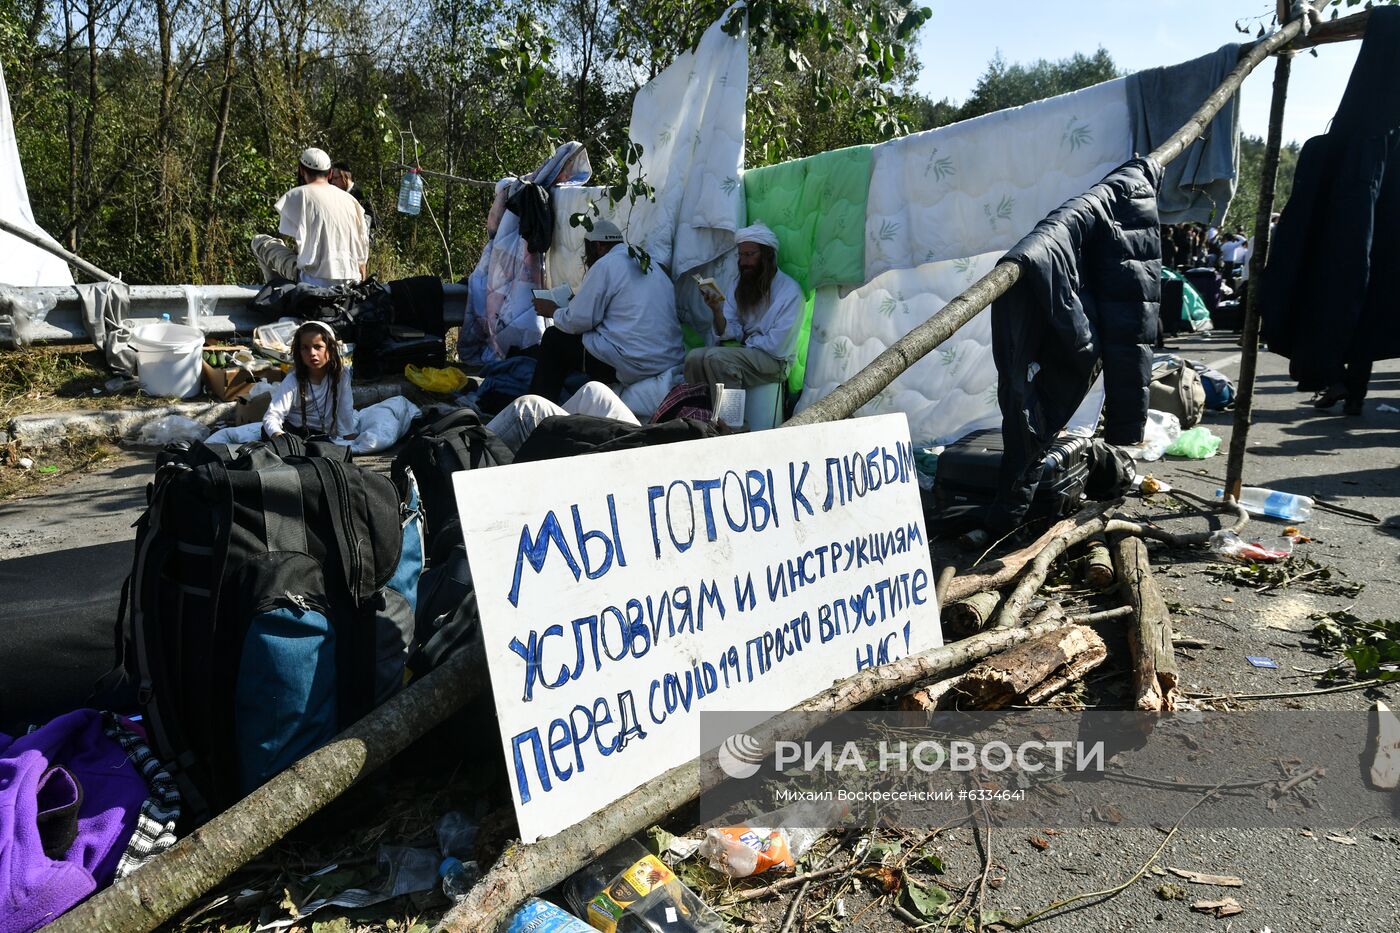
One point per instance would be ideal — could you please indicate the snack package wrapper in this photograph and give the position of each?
(771, 840)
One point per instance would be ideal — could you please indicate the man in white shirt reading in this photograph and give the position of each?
(327, 224)
(763, 315)
(621, 327)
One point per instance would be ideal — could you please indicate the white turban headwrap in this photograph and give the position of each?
(758, 233)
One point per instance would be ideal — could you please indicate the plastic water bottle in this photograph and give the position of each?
(411, 192)
(458, 877)
(1285, 505)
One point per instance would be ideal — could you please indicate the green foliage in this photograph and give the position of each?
(1245, 204)
(1005, 85)
(1373, 647)
(158, 149)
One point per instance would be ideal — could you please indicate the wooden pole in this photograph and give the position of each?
(847, 398)
(72, 259)
(1249, 359)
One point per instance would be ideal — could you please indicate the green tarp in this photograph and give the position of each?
(1193, 306)
(816, 206)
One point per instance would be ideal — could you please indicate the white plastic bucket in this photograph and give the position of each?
(167, 359)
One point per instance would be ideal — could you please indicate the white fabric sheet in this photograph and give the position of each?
(982, 184)
(689, 122)
(944, 205)
(21, 263)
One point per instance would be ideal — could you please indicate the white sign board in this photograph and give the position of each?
(622, 594)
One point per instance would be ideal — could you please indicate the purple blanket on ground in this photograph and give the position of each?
(68, 804)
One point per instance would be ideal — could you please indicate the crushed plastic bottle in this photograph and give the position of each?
(458, 877)
(1226, 543)
(1285, 505)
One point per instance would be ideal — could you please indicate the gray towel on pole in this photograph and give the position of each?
(105, 306)
(1199, 183)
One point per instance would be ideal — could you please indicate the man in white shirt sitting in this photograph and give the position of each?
(621, 327)
(327, 224)
(764, 315)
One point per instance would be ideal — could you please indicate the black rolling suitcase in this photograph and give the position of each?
(967, 474)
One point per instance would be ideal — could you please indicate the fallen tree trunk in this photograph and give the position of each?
(1150, 638)
(1032, 670)
(160, 889)
(523, 870)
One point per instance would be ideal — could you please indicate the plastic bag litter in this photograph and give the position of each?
(1226, 543)
(171, 429)
(443, 381)
(22, 313)
(1197, 443)
(239, 434)
(1160, 431)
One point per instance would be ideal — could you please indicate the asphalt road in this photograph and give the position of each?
(64, 553)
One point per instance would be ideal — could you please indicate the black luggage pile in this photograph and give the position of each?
(270, 605)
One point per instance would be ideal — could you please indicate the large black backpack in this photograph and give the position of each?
(270, 605)
(438, 447)
(570, 435)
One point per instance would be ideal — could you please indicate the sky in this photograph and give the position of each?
(962, 37)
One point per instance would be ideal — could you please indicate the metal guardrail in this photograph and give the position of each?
(230, 313)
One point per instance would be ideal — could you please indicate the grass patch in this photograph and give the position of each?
(68, 456)
(47, 379)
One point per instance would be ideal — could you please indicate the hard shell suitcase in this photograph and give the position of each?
(968, 471)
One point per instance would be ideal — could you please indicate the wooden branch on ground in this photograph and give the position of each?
(523, 870)
(1150, 639)
(1031, 671)
(994, 574)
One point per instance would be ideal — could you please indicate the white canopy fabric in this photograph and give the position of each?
(21, 263)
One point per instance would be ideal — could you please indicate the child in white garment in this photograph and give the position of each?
(315, 397)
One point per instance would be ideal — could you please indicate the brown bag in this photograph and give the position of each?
(1177, 389)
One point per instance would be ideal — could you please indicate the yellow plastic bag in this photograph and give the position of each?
(443, 381)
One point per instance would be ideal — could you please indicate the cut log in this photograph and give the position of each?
(1031, 671)
(523, 870)
(970, 616)
(940, 588)
(1150, 638)
(1098, 564)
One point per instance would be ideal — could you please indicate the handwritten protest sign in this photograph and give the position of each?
(621, 594)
